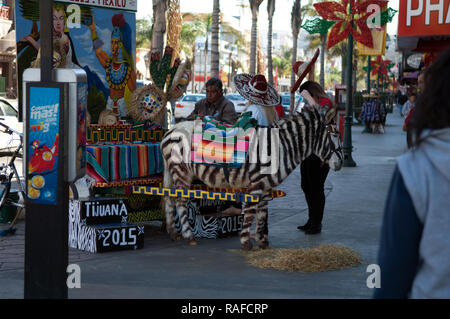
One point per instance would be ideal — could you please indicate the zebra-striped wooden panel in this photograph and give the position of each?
(199, 194)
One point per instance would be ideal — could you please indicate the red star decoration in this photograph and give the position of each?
(339, 12)
(380, 66)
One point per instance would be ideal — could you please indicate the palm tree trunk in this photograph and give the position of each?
(254, 6)
(253, 45)
(159, 25)
(270, 11)
(293, 75)
(206, 61)
(193, 66)
(215, 40)
(296, 23)
(323, 39)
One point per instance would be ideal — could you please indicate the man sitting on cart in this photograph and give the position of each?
(215, 104)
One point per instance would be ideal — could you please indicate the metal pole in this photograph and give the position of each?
(46, 40)
(347, 147)
(46, 231)
(368, 73)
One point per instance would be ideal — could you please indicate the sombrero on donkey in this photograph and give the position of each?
(255, 89)
(302, 69)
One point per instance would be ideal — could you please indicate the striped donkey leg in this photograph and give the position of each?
(169, 207)
(249, 215)
(182, 212)
(262, 226)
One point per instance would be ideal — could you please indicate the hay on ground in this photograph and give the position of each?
(317, 259)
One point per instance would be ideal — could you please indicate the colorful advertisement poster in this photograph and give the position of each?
(82, 125)
(101, 40)
(42, 151)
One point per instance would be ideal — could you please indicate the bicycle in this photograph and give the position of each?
(7, 174)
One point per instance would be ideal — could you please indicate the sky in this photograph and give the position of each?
(281, 19)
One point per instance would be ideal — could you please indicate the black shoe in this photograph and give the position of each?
(313, 230)
(305, 227)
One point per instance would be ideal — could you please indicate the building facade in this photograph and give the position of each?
(8, 80)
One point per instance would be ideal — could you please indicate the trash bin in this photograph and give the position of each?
(7, 213)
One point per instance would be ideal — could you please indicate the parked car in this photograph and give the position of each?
(286, 102)
(186, 105)
(239, 102)
(141, 83)
(9, 114)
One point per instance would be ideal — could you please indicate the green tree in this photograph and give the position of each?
(144, 32)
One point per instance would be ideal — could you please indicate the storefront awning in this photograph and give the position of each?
(424, 25)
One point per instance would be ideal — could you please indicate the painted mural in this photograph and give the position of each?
(100, 40)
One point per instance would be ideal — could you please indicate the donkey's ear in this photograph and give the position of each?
(330, 116)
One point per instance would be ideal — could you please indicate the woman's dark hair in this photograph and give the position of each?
(315, 89)
(432, 109)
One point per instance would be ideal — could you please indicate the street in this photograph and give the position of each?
(213, 270)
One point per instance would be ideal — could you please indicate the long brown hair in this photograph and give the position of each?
(432, 109)
(316, 91)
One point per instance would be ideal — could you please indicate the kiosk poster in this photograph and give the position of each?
(82, 125)
(96, 36)
(43, 118)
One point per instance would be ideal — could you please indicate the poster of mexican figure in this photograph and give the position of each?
(99, 38)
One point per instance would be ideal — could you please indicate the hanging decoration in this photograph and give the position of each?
(148, 103)
(380, 66)
(346, 22)
(317, 26)
(378, 34)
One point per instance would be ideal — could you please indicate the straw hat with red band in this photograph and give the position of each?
(256, 89)
(302, 69)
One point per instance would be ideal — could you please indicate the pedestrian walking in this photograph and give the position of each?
(414, 253)
(409, 104)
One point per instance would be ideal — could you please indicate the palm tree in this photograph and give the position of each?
(159, 25)
(189, 33)
(323, 45)
(174, 24)
(296, 23)
(270, 12)
(254, 6)
(144, 33)
(208, 24)
(215, 54)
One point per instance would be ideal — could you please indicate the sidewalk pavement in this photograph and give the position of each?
(212, 270)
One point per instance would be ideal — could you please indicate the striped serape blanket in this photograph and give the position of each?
(108, 162)
(219, 144)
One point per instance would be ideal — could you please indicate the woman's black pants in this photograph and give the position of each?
(313, 182)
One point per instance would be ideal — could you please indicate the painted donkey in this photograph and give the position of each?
(299, 136)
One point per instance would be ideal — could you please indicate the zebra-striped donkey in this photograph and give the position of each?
(298, 137)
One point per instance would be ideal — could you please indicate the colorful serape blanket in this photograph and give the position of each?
(219, 144)
(108, 162)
